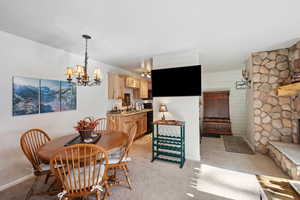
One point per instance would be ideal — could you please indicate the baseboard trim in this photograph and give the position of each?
(13, 183)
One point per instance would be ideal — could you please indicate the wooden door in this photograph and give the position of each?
(216, 104)
(216, 116)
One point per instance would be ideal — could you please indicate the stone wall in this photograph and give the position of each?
(272, 114)
(294, 64)
(274, 118)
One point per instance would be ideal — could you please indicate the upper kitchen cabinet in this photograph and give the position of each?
(142, 92)
(116, 86)
(144, 89)
(132, 82)
(149, 85)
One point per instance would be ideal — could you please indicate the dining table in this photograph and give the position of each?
(109, 141)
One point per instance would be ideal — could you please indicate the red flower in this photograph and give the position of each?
(85, 125)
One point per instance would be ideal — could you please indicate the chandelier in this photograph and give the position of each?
(80, 73)
(146, 69)
(146, 74)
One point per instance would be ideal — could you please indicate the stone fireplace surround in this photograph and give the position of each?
(286, 156)
(274, 118)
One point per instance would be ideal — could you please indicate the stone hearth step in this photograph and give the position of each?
(286, 156)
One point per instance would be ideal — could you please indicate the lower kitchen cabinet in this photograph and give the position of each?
(140, 119)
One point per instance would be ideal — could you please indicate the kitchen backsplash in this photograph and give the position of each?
(118, 102)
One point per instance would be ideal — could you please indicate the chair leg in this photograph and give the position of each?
(115, 172)
(31, 190)
(98, 194)
(127, 168)
(106, 186)
(47, 178)
(105, 195)
(127, 177)
(52, 185)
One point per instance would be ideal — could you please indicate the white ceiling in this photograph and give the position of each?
(127, 31)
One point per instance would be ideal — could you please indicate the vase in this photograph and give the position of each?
(85, 134)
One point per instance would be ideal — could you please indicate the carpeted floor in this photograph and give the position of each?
(166, 181)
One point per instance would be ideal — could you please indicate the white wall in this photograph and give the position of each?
(22, 57)
(181, 108)
(176, 59)
(225, 80)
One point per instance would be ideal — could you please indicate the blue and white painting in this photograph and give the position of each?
(25, 96)
(50, 96)
(68, 96)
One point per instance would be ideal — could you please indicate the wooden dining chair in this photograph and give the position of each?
(81, 170)
(30, 142)
(104, 124)
(119, 159)
(89, 118)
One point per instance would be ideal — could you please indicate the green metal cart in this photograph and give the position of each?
(168, 141)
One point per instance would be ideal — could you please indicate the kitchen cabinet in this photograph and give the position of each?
(116, 86)
(144, 123)
(140, 119)
(142, 92)
(132, 82)
(144, 89)
(149, 85)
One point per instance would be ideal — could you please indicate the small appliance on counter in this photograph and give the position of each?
(139, 106)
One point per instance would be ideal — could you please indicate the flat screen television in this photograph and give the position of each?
(179, 81)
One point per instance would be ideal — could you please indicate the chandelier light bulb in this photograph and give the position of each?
(69, 71)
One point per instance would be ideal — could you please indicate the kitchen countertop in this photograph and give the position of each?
(128, 113)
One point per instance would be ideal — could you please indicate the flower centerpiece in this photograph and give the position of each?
(85, 128)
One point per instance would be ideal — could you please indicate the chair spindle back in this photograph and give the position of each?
(131, 128)
(104, 124)
(30, 142)
(79, 167)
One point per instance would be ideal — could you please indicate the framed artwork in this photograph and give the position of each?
(25, 96)
(49, 96)
(68, 96)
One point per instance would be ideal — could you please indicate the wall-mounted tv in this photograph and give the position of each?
(179, 81)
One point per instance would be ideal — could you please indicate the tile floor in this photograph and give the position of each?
(213, 153)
